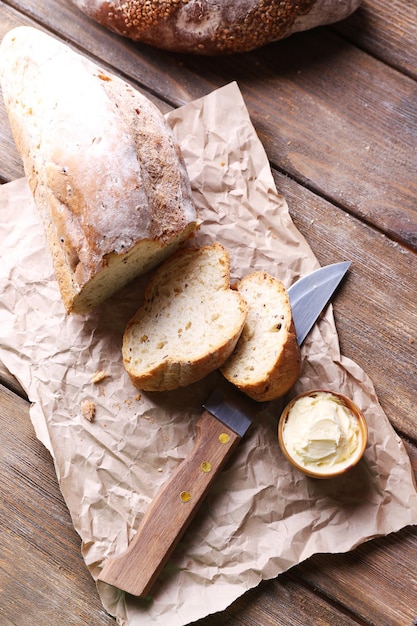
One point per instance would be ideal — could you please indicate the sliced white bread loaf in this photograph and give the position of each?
(189, 323)
(266, 361)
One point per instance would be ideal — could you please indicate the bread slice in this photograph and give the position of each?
(105, 170)
(266, 361)
(189, 323)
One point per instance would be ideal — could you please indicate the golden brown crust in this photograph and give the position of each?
(103, 165)
(282, 377)
(172, 374)
(211, 27)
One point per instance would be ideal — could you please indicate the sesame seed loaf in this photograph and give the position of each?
(266, 361)
(211, 27)
(189, 323)
(105, 170)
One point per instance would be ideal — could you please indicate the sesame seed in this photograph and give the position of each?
(268, 20)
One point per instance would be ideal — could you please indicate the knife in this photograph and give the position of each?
(227, 416)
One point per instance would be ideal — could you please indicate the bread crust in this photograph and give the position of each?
(211, 27)
(105, 170)
(189, 323)
(266, 361)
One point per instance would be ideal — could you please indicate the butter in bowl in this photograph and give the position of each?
(322, 433)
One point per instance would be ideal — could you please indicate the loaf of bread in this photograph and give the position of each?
(189, 323)
(266, 361)
(211, 26)
(104, 167)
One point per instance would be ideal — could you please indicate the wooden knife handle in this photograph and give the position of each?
(171, 511)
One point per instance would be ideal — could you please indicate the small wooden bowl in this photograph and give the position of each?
(325, 471)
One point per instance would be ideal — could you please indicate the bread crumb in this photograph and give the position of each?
(99, 376)
(88, 410)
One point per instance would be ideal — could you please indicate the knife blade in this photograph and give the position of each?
(310, 294)
(227, 416)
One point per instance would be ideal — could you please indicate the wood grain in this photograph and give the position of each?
(286, 601)
(369, 579)
(336, 109)
(387, 31)
(381, 280)
(41, 570)
(355, 151)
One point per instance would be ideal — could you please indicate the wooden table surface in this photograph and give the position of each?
(336, 109)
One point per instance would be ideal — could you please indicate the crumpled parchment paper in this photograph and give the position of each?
(262, 517)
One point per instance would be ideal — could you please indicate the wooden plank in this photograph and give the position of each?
(353, 146)
(10, 165)
(286, 601)
(338, 121)
(378, 26)
(54, 586)
(371, 579)
(41, 570)
(373, 296)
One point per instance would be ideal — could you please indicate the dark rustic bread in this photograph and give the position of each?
(105, 170)
(212, 27)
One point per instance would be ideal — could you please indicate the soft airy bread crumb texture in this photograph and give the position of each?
(189, 323)
(105, 170)
(266, 361)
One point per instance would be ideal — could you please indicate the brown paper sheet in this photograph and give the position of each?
(262, 517)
